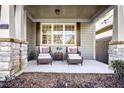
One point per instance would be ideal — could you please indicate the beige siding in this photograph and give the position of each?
(86, 47)
(87, 41)
(31, 38)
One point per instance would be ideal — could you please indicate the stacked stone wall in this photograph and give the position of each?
(116, 52)
(13, 58)
(24, 60)
(5, 59)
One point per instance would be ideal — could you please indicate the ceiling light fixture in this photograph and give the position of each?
(57, 11)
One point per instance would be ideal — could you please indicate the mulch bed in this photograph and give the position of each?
(64, 80)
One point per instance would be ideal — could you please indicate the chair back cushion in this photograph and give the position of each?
(44, 49)
(72, 50)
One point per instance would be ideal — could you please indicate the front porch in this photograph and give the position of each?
(24, 29)
(89, 66)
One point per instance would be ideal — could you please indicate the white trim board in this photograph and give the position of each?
(57, 20)
(60, 20)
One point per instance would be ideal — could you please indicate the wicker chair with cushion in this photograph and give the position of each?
(73, 55)
(44, 55)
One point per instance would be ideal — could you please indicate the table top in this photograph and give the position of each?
(58, 53)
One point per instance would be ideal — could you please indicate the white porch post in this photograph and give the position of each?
(116, 47)
(7, 17)
(19, 21)
(25, 25)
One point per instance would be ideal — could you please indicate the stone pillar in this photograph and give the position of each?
(24, 54)
(24, 46)
(21, 29)
(7, 31)
(13, 46)
(116, 47)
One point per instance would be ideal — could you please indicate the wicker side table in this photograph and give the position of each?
(58, 56)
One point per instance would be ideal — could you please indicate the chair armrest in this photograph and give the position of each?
(67, 54)
(51, 53)
(37, 51)
(79, 53)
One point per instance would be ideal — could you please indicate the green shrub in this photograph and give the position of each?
(118, 67)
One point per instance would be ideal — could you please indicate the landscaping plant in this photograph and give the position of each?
(118, 66)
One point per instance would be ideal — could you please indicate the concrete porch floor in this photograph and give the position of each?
(89, 66)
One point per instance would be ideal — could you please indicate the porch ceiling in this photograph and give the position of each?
(66, 11)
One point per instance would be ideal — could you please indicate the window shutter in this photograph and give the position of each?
(37, 34)
(78, 33)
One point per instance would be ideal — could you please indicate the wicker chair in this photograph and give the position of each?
(44, 55)
(73, 55)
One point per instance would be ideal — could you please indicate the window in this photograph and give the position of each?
(46, 34)
(70, 34)
(58, 33)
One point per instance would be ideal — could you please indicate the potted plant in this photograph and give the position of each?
(118, 66)
(58, 48)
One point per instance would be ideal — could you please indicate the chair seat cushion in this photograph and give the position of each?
(74, 56)
(44, 56)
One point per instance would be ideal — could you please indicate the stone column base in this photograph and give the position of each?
(24, 54)
(116, 52)
(9, 58)
(13, 57)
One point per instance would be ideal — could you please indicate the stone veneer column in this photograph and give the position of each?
(24, 46)
(16, 63)
(6, 50)
(116, 47)
(13, 47)
(5, 59)
(10, 57)
(20, 20)
(24, 54)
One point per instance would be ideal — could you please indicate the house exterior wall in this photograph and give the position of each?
(31, 38)
(87, 40)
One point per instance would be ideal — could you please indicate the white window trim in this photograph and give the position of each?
(52, 24)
